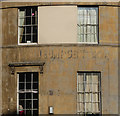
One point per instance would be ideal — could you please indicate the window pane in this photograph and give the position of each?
(88, 97)
(35, 112)
(22, 21)
(34, 38)
(28, 11)
(28, 29)
(22, 39)
(28, 112)
(21, 30)
(28, 38)
(28, 20)
(28, 95)
(21, 95)
(28, 85)
(35, 95)
(34, 11)
(22, 103)
(35, 104)
(28, 77)
(21, 13)
(21, 77)
(80, 97)
(35, 85)
(35, 77)
(28, 104)
(21, 86)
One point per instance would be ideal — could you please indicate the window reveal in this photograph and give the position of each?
(87, 24)
(28, 93)
(27, 25)
(88, 93)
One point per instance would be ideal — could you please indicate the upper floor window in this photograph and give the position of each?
(87, 24)
(27, 25)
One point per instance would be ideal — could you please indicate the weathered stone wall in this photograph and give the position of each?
(61, 65)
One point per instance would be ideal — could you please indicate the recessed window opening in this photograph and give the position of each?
(88, 93)
(87, 24)
(28, 93)
(27, 25)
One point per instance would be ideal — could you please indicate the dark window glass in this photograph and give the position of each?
(21, 86)
(28, 95)
(28, 77)
(21, 96)
(21, 77)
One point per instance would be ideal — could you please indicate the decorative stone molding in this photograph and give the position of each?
(26, 64)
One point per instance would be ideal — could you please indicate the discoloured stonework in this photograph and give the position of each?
(62, 62)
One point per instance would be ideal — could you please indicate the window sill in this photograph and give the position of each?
(27, 44)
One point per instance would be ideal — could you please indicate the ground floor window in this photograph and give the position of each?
(27, 93)
(88, 93)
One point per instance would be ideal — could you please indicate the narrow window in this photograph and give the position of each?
(27, 93)
(88, 93)
(87, 24)
(27, 25)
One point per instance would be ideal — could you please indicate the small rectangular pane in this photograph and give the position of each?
(34, 11)
(34, 38)
(21, 77)
(28, 77)
(28, 95)
(35, 95)
(28, 11)
(22, 103)
(80, 87)
(95, 97)
(35, 77)
(88, 97)
(80, 97)
(35, 104)
(28, 112)
(21, 30)
(35, 112)
(88, 108)
(28, 29)
(28, 20)
(28, 38)
(95, 107)
(35, 85)
(22, 21)
(35, 29)
(21, 13)
(22, 38)
(28, 85)
(21, 95)
(21, 86)
(28, 104)
(95, 88)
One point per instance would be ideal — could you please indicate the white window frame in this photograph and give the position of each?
(84, 93)
(97, 25)
(28, 91)
(35, 43)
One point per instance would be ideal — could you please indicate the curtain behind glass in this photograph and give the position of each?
(87, 24)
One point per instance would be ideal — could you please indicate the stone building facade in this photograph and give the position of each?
(59, 57)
